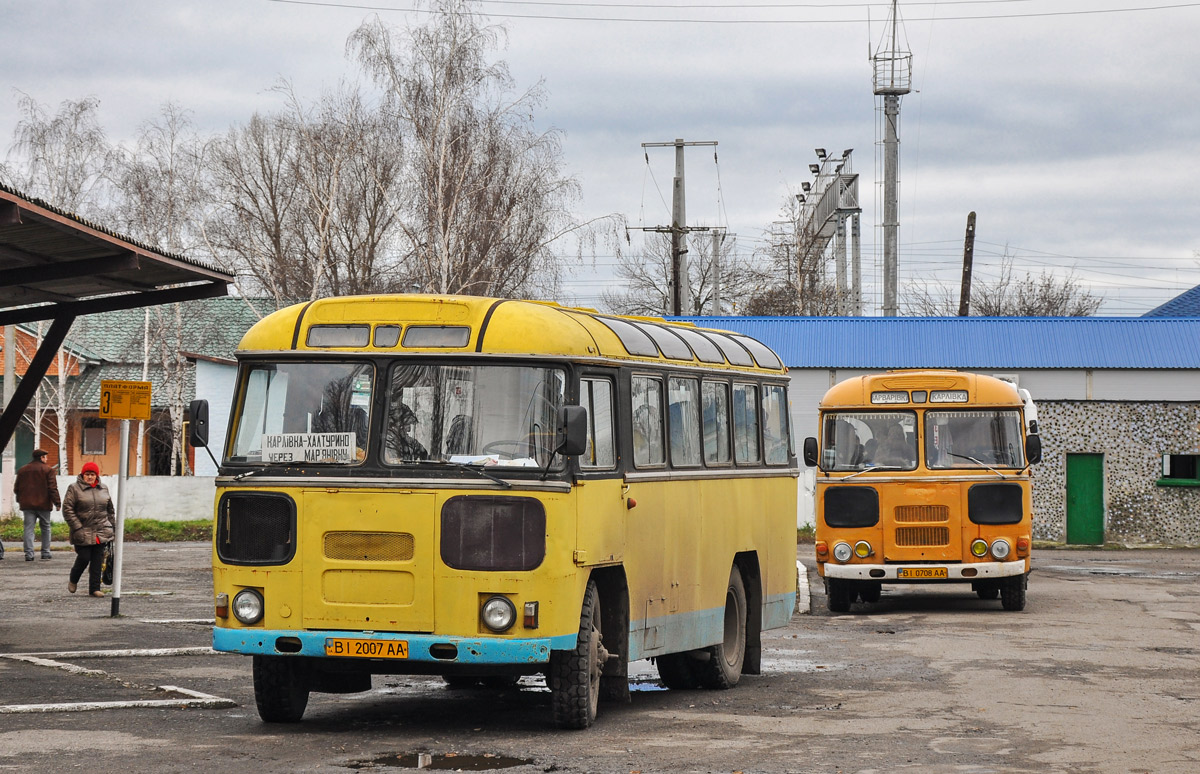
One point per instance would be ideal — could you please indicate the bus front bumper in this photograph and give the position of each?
(918, 573)
(426, 648)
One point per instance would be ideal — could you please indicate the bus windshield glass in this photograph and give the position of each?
(970, 439)
(487, 415)
(312, 413)
(861, 440)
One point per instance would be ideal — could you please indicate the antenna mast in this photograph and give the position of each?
(892, 79)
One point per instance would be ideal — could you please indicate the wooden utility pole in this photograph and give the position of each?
(717, 237)
(964, 297)
(679, 273)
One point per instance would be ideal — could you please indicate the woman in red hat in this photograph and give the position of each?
(88, 509)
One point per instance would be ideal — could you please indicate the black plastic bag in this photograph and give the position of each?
(106, 572)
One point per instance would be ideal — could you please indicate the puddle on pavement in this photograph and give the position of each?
(442, 761)
(644, 684)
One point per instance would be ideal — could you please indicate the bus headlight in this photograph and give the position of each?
(862, 549)
(498, 614)
(1001, 549)
(248, 606)
(842, 552)
(979, 548)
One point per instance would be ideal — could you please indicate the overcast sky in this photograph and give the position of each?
(1075, 137)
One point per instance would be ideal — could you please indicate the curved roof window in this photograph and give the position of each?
(735, 353)
(635, 340)
(671, 345)
(762, 353)
(704, 349)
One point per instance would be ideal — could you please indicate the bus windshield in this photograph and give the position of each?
(969, 439)
(315, 413)
(858, 440)
(321, 413)
(473, 414)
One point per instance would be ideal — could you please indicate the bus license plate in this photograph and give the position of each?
(366, 648)
(922, 572)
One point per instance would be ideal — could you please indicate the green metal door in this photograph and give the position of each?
(1085, 499)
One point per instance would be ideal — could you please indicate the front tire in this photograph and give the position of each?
(280, 689)
(575, 674)
(838, 595)
(723, 669)
(1012, 593)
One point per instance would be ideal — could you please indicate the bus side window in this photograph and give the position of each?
(646, 393)
(716, 423)
(596, 396)
(745, 423)
(684, 421)
(775, 426)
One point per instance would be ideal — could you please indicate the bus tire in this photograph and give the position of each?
(677, 671)
(870, 592)
(575, 674)
(723, 668)
(280, 689)
(987, 590)
(839, 594)
(1012, 593)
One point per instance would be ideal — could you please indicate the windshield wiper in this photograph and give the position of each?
(476, 470)
(873, 467)
(977, 462)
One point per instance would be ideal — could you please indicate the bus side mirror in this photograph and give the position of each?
(198, 426)
(572, 430)
(810, 452)
(1033, 449)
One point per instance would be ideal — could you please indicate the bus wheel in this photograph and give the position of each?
(838, 595)
(723, 669)
(987, 590)
(870, 592)
(1012, 593)
(280, 689)
(677, 671)
(575, 674)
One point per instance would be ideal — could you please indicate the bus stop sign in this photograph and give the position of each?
(124, 400)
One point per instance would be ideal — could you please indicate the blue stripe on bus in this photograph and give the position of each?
(699, 629)
(471, 650)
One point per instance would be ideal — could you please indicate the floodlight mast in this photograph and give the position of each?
(892, 79)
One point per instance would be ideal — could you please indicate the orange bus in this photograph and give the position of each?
(923, 477)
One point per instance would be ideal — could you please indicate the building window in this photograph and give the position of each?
(1180, 470)
(94, 436)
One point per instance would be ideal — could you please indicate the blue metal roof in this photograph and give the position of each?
(973, 342)
(1186, 304)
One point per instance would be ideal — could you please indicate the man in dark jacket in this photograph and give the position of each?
(36, 489)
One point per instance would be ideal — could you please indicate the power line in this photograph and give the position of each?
(688, 20)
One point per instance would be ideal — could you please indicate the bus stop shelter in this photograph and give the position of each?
(56, 266)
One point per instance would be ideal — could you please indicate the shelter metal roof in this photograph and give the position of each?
(974, 342)
(54, 263)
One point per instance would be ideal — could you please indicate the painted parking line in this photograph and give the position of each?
(191, 699)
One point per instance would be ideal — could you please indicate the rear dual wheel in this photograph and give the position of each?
(718, 666)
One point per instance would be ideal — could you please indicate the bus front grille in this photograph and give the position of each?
(923, 536)
(369, 546)
(256, 528)
(922, 513)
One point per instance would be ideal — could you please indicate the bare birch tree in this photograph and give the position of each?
(64, 158)
(645, 287)
(1009, 295)
(486, 195)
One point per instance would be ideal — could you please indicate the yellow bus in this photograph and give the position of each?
(923, 477)
(484, 489)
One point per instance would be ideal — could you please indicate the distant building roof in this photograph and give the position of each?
(1186, 304)
(973, 342)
